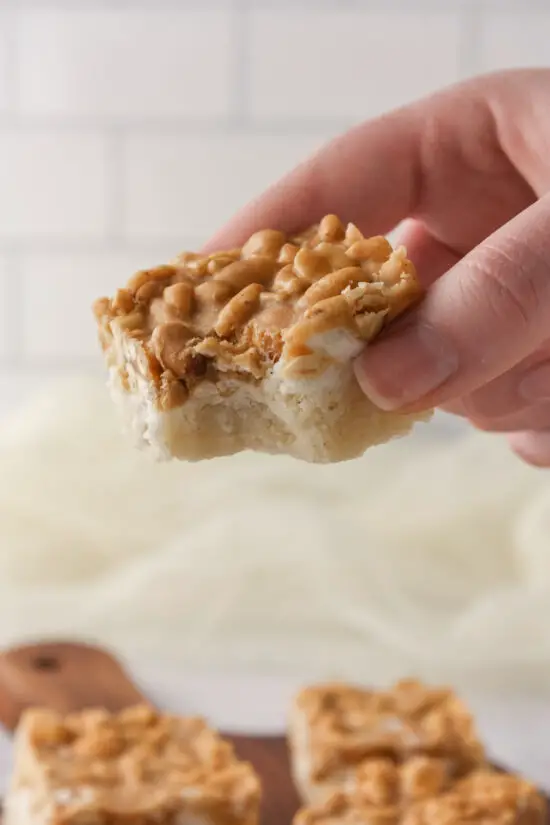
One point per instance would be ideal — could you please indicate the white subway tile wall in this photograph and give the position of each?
(76, 280)
(53, 184)
(513, 38)
(130, 129)
(125, 65)
(185, 186)
(322, 63)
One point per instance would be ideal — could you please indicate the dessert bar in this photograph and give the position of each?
(253, 348)
(335, 729)
(133, 768)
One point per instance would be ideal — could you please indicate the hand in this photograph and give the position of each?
(469, 168)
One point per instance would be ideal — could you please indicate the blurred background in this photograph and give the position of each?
(130, 130)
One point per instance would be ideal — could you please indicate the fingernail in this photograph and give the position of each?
(535, 386)
(406, 366)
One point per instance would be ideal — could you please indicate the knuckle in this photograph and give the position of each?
(512, 282)
(531, 417)
(495, 399)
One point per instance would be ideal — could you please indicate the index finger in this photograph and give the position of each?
(440, 160)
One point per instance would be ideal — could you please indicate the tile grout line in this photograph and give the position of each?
(116, 5)
(167, 126)
(194, 5)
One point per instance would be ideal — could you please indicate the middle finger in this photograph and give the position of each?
(525, 385)
(535, 417)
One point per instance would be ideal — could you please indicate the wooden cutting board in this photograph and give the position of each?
(68, 677)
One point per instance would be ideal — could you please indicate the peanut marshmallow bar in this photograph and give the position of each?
(483, 797)
(134, 768)
(252, 348)
(336, 729)
(381, 791)
(389, 798)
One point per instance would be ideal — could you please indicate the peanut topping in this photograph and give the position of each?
(180, 296)
(318, 319)
(376, 249)
(266, 243)
(99, 742)
(102, 308)
(49, 731)
(348, 725)
(333, 284)
(159, 273)
(335, 254)
(238, 310)
(218, 262)
(148, 292)
(130, 322)
(353, 234)
(287, 253)
(335, 306)
(484, 798)
(215, 292)
(422, 777)
(242, 273)
(169, 345)
(331, 229)
(262, 303)
(123, 302)
(391, 270)
(311, 265)
(287, 283)
(369, 324)
(380, 782)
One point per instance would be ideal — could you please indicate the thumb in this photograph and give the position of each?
(482, 317)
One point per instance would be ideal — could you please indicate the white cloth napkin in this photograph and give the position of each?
(430, 555)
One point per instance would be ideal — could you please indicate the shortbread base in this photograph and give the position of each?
(23, 807)
(253, 348)
(322, 419)
(18, 809)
